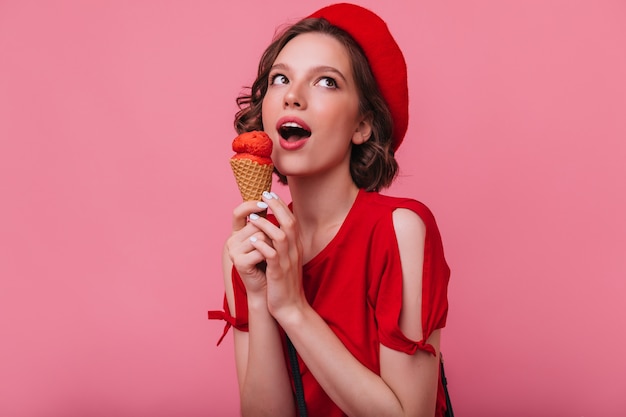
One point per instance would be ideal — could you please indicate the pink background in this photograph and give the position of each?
(115, 129)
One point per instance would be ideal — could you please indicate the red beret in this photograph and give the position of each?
(384, 56)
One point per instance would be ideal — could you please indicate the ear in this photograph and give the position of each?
(363, 130)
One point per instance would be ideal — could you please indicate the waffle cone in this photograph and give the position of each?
(252, 178)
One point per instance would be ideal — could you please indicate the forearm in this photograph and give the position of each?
(266, 388)
(352, 386)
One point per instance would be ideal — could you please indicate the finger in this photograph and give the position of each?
(281, 211)
(239, 242)
(258, 238)
(269, 229)
(247, 264)
(242, 211)
(263, 247)
(280, 247)
(241, 250)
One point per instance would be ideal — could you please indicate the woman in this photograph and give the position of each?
(355, 280)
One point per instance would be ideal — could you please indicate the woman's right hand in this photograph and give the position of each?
(248, 261)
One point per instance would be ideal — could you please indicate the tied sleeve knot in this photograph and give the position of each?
(221, 315)
(230, 320)
(398, 341)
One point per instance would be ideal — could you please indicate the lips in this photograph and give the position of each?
(293, 132)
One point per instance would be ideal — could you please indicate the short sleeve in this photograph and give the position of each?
(240, 320)
(435, 277)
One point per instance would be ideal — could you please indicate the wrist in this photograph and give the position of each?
(292, 317)
(257, 302)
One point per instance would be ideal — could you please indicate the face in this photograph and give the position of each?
(311, 108)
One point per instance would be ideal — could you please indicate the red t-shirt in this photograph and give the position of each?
(355, 285)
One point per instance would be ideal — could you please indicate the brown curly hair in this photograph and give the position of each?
(372, 163)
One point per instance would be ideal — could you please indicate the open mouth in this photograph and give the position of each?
(293, 132)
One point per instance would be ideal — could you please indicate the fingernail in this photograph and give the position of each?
(273, 194)
(267, 195)
(261, 204)
(254, 216)
(253, 239)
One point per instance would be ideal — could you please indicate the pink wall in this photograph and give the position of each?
(115, 127)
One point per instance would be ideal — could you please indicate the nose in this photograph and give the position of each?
(294, 97)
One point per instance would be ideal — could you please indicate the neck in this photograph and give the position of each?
(319, 203)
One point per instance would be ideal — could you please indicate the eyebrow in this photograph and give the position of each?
(314, 70)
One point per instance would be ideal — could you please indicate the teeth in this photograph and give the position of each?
(291, 124)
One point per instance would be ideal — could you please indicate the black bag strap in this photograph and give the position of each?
(444, 382)
(297, 378)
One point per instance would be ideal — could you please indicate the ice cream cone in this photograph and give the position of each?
(252, 177)
(252, 164)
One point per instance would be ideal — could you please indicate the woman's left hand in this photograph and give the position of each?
(283, 257)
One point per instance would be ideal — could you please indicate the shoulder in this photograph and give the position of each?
(410, 233)
(407, 210)
(409, 226)
(405, 218)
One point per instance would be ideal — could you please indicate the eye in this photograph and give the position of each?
(327, 82)
(278, 79)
